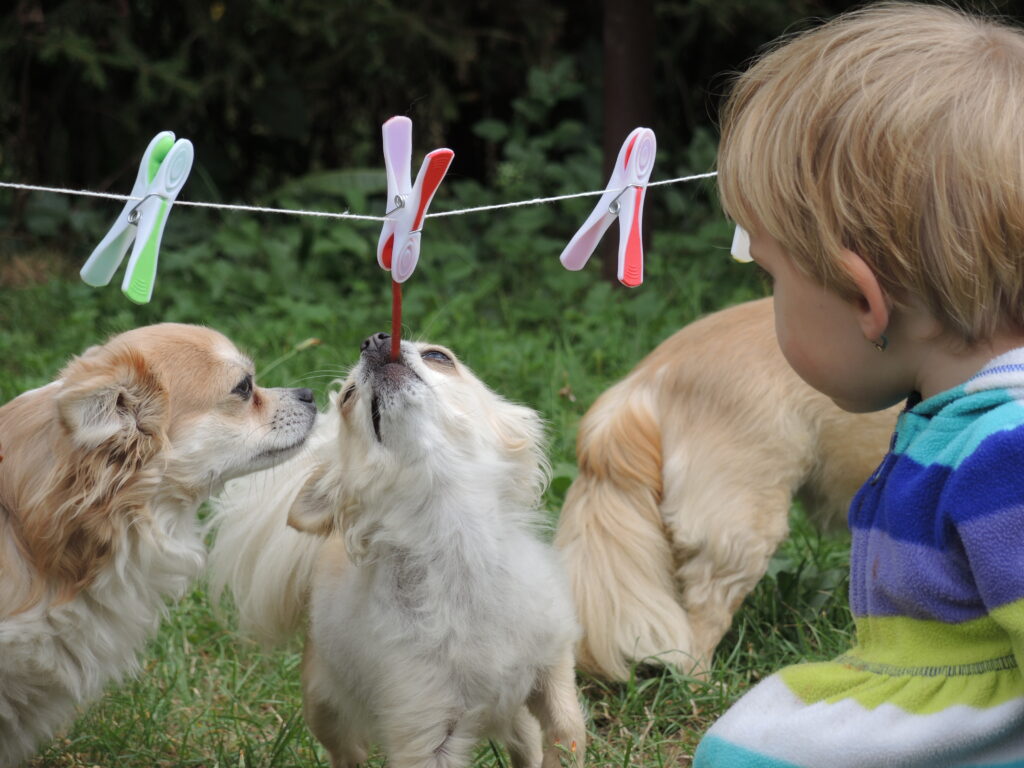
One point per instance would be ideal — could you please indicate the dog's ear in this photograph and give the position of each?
(113, 411)
(111, 396)
(521, 433)
(314, 509)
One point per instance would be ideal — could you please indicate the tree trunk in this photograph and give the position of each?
(628, 91)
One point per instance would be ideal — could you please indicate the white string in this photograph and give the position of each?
(62, 191)
(222, 206)
(295, 212)
(539, 200)
(694, 177)
(346, 214)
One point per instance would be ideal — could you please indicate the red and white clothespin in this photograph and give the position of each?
(623, 199)
(398, 249)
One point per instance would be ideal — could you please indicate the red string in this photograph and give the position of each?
(396, 319)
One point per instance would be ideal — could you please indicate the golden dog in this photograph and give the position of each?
(687, 471)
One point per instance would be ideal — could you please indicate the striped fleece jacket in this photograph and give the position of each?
(937, 595)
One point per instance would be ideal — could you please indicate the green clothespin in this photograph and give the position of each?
(165, 167)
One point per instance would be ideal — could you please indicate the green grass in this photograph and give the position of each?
(551, 339)
(208, 697)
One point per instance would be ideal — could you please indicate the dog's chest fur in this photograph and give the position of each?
(54, 657)
(470, 610)
(405, 580)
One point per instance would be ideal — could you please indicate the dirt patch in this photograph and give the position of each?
(31, 268)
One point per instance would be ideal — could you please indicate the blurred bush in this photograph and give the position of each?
(284, 100)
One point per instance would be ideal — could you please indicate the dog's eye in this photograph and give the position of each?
(347, 394)
(437, 356)
(244, 388)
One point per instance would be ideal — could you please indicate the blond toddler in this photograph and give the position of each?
(877, 163)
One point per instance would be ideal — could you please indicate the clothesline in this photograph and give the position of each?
(339, 215)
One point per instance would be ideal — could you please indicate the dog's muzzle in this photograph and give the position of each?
(387, 377)
(385, 373)
(376, 349)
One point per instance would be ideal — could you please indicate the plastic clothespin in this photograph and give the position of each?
(740, 249)
(398, 249)
(624, 199)
(162, 173)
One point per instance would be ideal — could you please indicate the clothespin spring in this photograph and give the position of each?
(613, 206)
(399, 204)
(134, 215)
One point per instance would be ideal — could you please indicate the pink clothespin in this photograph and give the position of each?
(399, 246)
(624, 199)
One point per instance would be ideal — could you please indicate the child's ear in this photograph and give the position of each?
(313, 510)
(872, 305)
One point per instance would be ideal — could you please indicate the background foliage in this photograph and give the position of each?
(284, 100)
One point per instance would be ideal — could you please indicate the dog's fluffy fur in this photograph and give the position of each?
(687, 469)
(102, 473)
(436, 614)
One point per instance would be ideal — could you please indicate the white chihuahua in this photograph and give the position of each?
(449, 620)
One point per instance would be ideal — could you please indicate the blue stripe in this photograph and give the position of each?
(993, 550)
(990, 481)
(902, 501)
(713, 752)
(951, 435)
(906, 511)
(890, 577)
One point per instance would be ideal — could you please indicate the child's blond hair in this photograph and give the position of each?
(896, 131)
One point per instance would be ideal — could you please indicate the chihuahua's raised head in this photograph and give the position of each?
(436, 614)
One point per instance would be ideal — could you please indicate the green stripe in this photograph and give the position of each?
(1011, 618)
(954, 670)
(899, 641)
(922, 666)
(157, 157)
(831, 682)
(140, 287)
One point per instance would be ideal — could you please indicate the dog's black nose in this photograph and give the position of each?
(304, 395)
(375, 342)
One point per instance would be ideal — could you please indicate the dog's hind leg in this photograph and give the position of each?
(555, 704)
(328, 726)
(615, 544)
(524, 741)
(325, 721)
(724, 550)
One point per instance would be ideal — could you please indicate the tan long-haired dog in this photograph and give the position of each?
(687, 470)
(102, 473)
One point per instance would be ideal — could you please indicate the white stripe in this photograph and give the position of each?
(1005, 371)
(771, 720)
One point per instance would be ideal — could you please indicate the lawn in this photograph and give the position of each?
(492, 290)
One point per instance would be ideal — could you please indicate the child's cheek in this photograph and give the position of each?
(800, 358)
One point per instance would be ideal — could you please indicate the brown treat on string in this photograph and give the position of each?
(396, 319)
